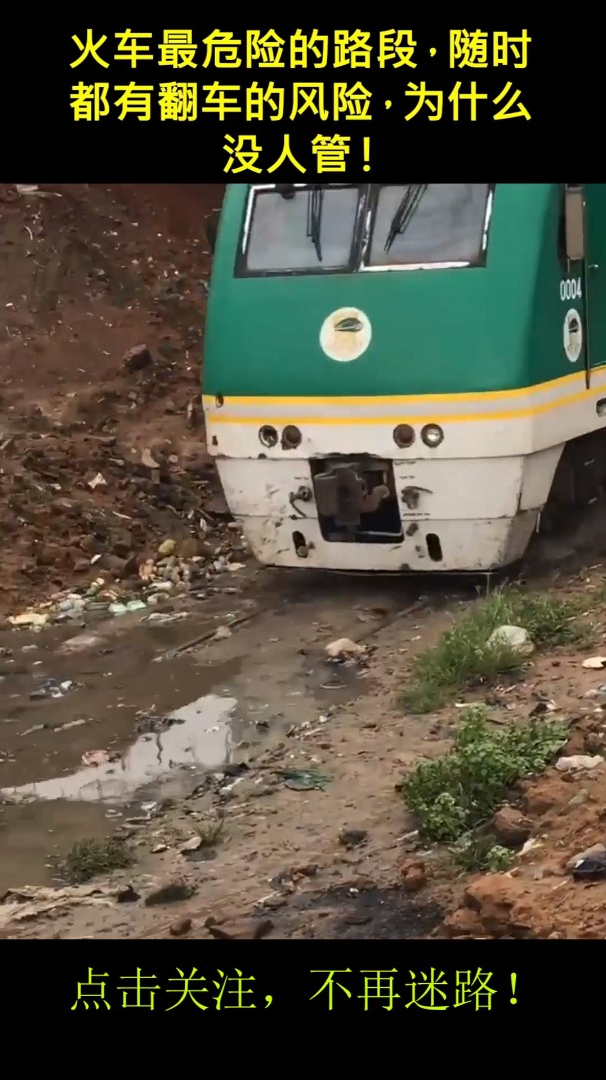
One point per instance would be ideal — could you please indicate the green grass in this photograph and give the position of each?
(210, 832)
(89, 858)
(462, 658)
(475, 852)
(455, 795)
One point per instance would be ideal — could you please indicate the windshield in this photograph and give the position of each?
(292, 229)
(296, 231)
(446, 224)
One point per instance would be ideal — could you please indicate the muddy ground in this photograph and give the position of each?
(182, 698)
(88, 273)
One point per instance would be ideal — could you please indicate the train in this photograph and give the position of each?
(406, 377)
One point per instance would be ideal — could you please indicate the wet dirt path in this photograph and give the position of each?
(128, 725)
(98, 727)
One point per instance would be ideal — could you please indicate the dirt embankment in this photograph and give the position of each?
(88, 272)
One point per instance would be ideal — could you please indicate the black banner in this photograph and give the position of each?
(95, 97)
(101, 984)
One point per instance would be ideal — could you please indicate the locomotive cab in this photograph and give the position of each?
(392, 372)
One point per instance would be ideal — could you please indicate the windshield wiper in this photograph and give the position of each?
(405, 212)
(315, 203)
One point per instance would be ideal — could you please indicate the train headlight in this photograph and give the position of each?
(432, 435)
(291, 437)
(403, 435)
(268, 435)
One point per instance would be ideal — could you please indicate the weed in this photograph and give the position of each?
(476, 852)
(451, 796)
(210, 832)
(88, 858)
(463, 658)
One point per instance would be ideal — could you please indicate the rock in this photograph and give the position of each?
(188, 548)
(170, 891)
(463, 923)
(222, 633)
(494, 898)
(578, 800)
(137, 358)
(588, 853)
(594, 742)
(578, 762)
(239, 930)
(122, 543)
(414, 874)
(511, 827)
(193, 844)
(352, 837)
(167, 547)
(180, 926)
(307, 870)
(515, 637)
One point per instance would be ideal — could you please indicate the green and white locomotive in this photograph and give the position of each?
(406, 377)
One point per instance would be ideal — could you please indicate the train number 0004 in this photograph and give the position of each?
(571, 289)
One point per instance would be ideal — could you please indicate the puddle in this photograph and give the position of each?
(338, 684)
(199, 739)
(34, 834)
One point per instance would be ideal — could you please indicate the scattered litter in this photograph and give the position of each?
(343, 648)
(236, 566)
(590, 867)
(51, 688)
(543, 707)
(31, 901)
(124, 609)
(70, 724)
(595, 851)
(596, 663)
(33, 619)
(222, 633)
(304, 779)
(597, 692)
(148, 461)
(95, 758)
(161, 617)
(577, 762)
(530, 845)
(97, 481)
(159, 848)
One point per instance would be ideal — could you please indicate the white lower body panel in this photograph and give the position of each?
(482, 511)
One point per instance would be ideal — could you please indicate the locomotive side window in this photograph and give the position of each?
(421, 224)
(297, 229)
(574, 205)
